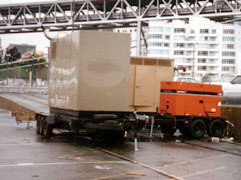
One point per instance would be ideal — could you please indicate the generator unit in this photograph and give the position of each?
(193, 108)
(191, 99)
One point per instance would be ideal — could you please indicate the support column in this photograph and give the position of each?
(138, 39)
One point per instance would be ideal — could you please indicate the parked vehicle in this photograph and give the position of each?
(226, 79)
(232, 88)
(186, 79)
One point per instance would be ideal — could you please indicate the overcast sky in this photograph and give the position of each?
(25, 38)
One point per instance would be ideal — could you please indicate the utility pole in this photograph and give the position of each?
(193, 60)
(138, 48)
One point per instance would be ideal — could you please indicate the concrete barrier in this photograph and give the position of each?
(233, 114)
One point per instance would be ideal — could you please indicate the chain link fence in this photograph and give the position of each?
(24, 75)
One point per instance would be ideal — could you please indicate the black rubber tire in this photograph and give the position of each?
(37, 127)
(198, 129)
(47, 131)
(168, 132)
(41, 127)
(217, 128)
(186, 132)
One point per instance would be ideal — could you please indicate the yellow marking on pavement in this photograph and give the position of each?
(168, 165)
(72, 156)
(204, 172)
(211, 170)
(191, 161)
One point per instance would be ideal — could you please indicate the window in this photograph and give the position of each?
(228, 61)
(203, 45)
(167, 30)
(227, 53)
(228, 46)
(155, 36)
(176, 52)
(213, 61)
(203, 31)
(228, 31)
(213, 54)
(166, 45)
(158, 29)
(202, 68)
(214, 31)
(203, 53)
(213, 46)
(228, 38)
(212, 68)
(189, 53)
(201, 60)
(229, 69)
(189, 60)
(179, 38)
(213, 38)
(189, 45)
(155, 44)
(237, 80)
(180, 60)
(179, 30)
(203, 38)
(158, 51)
(192, 31)
(167, 37)
(180, 45)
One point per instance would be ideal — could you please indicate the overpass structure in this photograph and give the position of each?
(86, 14)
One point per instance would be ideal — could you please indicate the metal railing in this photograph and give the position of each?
(24, 75)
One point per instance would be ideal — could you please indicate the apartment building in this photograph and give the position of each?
(203, 46)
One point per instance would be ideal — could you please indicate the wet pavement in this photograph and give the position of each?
(25, 155)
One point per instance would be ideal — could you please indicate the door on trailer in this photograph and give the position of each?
(144, 86)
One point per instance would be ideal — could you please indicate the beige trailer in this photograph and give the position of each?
(92, 71)
(94, 84)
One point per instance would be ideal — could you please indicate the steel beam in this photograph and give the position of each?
(84, 14)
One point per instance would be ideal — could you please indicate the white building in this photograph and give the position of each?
(201, 45)
(133, 32)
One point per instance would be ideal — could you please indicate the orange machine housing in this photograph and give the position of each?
(190, 99)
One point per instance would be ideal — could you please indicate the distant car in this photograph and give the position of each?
(233, 88)
(224, 80)
(183, 79)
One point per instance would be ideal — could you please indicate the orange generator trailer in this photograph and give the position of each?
(193, 108)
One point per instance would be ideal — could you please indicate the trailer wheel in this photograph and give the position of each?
(216, 128)
(198, 129)
(38, 127)
(185, 131)
(47, 130)
(168, 132)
